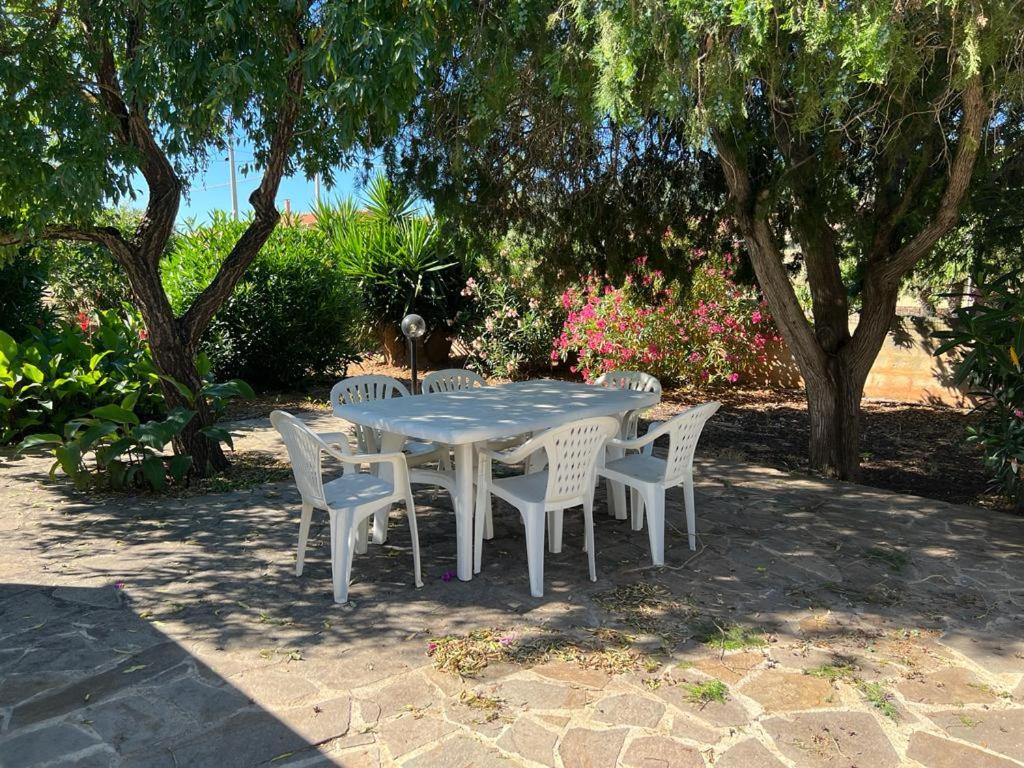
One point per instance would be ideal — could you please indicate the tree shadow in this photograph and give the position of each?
(776, 552)
(87, 681)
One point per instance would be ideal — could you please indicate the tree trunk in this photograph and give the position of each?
(174, 355)
(833, 406)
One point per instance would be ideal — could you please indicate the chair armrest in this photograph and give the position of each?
(511, 457)
(644, 444)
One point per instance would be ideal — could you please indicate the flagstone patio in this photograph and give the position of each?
(818, 624)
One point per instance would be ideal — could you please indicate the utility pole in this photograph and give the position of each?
(234, 181)
(316, 188)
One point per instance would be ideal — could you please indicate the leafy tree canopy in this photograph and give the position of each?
(193, 71)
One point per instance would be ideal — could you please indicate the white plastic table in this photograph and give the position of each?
(465, 418)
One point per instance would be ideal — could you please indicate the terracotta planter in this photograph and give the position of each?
(392, 343)
(437, 348)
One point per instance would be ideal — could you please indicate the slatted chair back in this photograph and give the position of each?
(684, 431)
(573, 451)
(366, 389)
(452, 380)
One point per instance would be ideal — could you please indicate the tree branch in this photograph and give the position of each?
(972, 122)
(766, 257)
(263, 199)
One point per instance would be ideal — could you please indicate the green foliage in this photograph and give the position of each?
(989, 336)
(396, 255)
(57, 374)
(512, 313)
(880, 699)
(292, 316)
(22, 282)
(111, 447)
(186, 66)
(84, 277)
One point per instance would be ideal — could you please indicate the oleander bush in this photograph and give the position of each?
(512, 314)
(989, 336)
(711, 331)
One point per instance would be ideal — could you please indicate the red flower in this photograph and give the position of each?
(83, 322)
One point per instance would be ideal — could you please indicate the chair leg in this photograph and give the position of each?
(636, 507)
(617, 499)
(555, 517)
(362, 536)
(488, 519)
(446, 461)
(304, 521)
(380, 525)
(410, 512)
(534, 522)
(609, 493)
(342, 544)
(691, 512)
(588, 535)
(656, 524)
(483, 495)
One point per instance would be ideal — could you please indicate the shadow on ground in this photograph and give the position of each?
(206, 585)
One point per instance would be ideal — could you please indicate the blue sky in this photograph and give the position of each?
(211, 190)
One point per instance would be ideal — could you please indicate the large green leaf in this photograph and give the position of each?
(8, 348)
(115, 413)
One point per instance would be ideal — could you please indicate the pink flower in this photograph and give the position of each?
(1018, 413)
(733, 378)
(755, 316)
(695, 357)
(506, 641)
(431, 647)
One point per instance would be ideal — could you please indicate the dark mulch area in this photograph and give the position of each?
(906, 447)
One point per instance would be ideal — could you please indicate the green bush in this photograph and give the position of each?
(990, 337)
(293, 315)
(513, 316)
(110, 445)
(61, 372)
(84, 277)
(398, 257)
(22, 282)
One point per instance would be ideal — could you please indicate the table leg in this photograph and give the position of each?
(389, 443)
(464, 510)
(616, 491)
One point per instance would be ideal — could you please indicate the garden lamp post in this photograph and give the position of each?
(413, 328)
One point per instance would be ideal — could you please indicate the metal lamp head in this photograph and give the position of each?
(413, 327)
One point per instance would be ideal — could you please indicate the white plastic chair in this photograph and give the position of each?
(451, 380)
(364, 389)
(573, 454)
(638, 381)
(650, 476)
(349, 500)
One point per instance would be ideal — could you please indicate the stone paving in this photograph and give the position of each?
(818, 624)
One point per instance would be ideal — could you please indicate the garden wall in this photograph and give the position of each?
(906, 369)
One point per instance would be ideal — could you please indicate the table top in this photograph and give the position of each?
(487, 413)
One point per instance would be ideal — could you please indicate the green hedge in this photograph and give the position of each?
(292, 317)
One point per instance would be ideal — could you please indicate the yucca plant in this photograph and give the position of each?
(396, 254)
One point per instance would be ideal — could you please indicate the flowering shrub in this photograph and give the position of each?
(989, 335)
(713, 334)
(509, 315)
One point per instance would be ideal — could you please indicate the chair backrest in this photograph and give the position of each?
(573, 451)
(683, 433)
(365, 389)
(635, 380)
(451, 380)
(305, 453)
